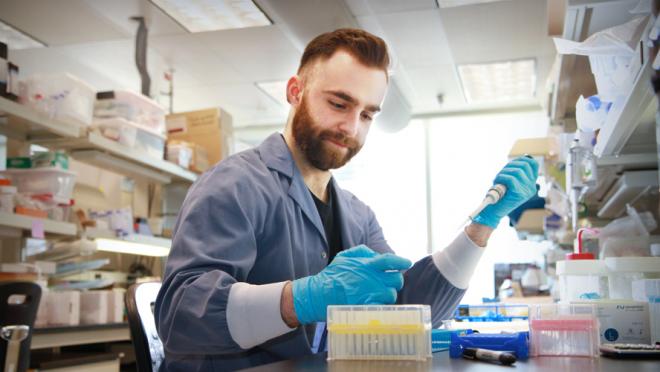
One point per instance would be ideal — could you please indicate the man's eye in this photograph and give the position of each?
(337, 105)
(366, 117)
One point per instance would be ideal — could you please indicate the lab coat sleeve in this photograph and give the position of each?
(214, 247)
(440, 280)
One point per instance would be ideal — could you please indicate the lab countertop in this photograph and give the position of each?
(442, 362)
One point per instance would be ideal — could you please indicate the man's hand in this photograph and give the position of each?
(357, 276)
(519, 176)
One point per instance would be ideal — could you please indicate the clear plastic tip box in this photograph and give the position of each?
(379, 332)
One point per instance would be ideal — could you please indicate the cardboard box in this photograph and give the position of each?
(211, 129)
(188, 155)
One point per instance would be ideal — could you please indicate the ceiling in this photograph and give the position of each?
(93, 39)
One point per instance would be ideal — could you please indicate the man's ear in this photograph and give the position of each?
(294, 90)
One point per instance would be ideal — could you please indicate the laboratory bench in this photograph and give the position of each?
(442, 362)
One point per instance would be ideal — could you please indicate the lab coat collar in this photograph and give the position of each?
(277, 156)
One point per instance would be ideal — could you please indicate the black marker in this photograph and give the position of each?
(489, 355)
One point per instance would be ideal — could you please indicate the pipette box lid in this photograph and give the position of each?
(516, 343)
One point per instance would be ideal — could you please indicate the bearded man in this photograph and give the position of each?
(266, 239)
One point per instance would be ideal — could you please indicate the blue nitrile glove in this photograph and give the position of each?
(357, 276)
(519, 176)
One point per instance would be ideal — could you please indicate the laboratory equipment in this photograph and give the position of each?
(516, 343)
(654, 314)
(580, 175)
(441, 338)
(491, 313)
(582, 279)
(622, 321)
(489, 355)
(373, 332)
(563, 330)
(622, 271)
(494, 194)
(632, 351)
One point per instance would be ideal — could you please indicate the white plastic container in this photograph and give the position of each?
(654, 314)
(133, 135)
(582, 279)
(622, 321)
(52, 181)
(622, 271)
(61, 96)
(7, 201)
(645, 288)
(116, 305)
(379, 332)
(131, 106)
(94, 307)
(64, 308)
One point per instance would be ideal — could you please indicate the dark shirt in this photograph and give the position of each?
(328, 213)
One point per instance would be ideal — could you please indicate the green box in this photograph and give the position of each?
(19, 162)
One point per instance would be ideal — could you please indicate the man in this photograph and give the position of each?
(266, 240)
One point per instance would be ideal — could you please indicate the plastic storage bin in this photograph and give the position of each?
(63, 308)
(394, 332)
(582, 279)
(94, 307)
(54, 182)
(563, 330)
(624, 270)
(116, 305)
(131, 106)
(133, 135)
(61, 96)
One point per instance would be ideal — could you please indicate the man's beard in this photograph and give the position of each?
(310, 140)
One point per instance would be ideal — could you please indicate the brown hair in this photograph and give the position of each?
(369, 49)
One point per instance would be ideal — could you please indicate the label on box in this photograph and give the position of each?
(177, 124)
(624, 323)
(38, 229)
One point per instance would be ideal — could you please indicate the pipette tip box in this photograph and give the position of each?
(379, 332)
(564, 330)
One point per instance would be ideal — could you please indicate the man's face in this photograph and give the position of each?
(339, 101)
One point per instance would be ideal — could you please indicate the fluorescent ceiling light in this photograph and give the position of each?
(455, 3)
(276, 90)
(16, 39)
(128, 247)
(499, 82)
(213, 15)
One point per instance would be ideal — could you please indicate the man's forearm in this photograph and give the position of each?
(478, 233)
(286, 307)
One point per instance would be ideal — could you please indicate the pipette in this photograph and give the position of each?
(493, 195)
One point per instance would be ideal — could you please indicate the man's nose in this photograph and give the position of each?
(349, 126)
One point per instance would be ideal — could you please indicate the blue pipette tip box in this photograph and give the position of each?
(516, 343)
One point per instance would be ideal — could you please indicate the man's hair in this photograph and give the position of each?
(367, 48)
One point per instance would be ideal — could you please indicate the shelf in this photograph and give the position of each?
(141, 245)
(80, 335)
(26, 124)
(18, 221)
(630, 129)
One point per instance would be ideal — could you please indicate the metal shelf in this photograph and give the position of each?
(21, 222)
(94, 233)
(26, 124)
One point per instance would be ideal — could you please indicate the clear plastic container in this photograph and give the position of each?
(654, 314)
(582, 279)
(94, 307)
(54, 182)
(379, 332)
(563, 330)
(624, 270)
(133, 135)
(131, 106)
(61, 96)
